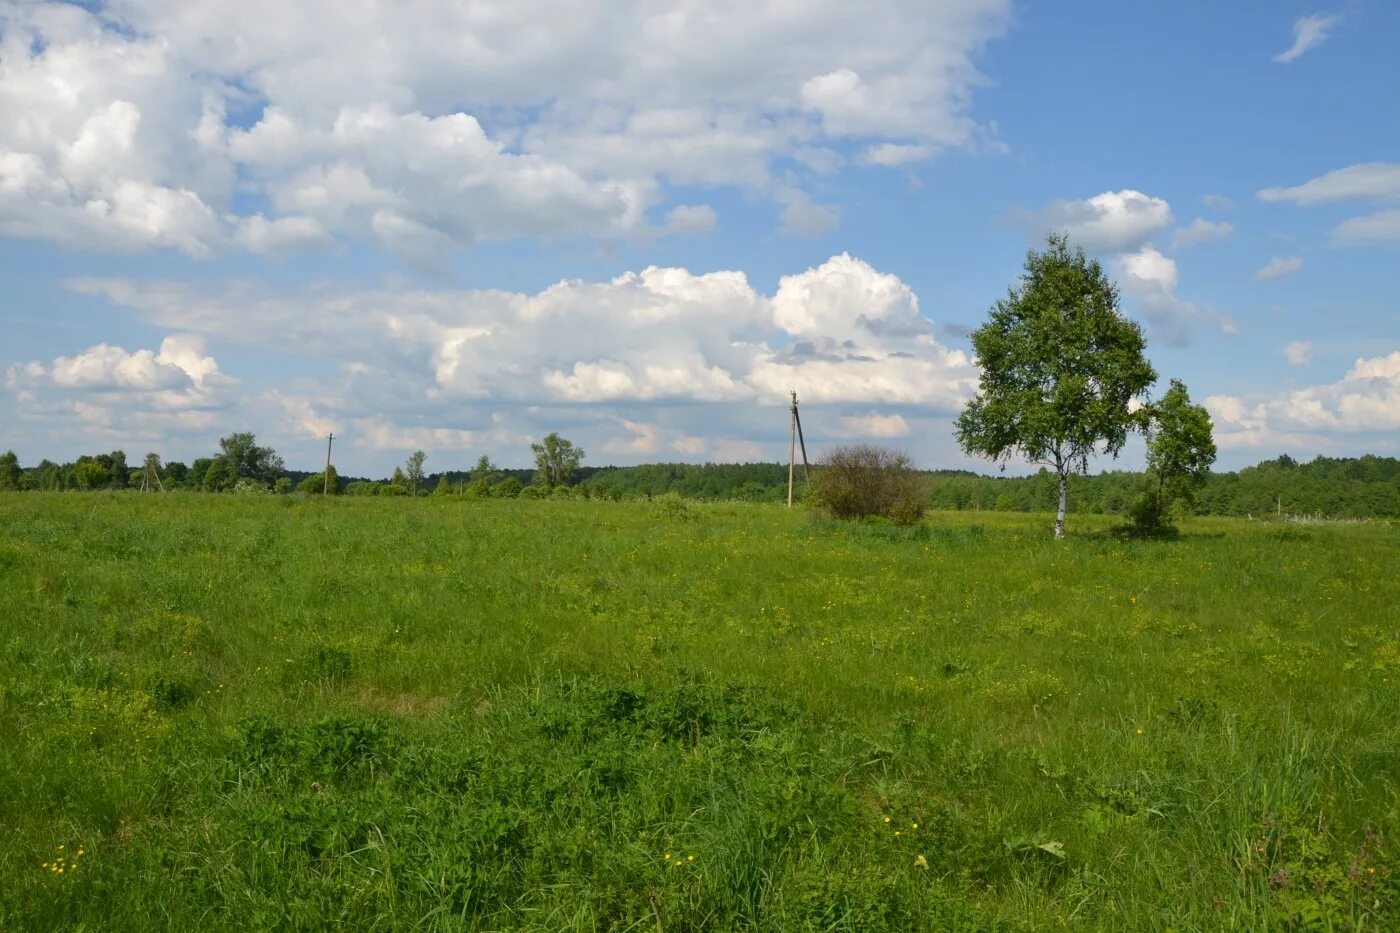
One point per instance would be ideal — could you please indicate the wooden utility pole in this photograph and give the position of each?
(329, 439)
(795, 438)
(792, 444)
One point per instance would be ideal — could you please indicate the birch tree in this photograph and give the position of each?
(413, 469)
(1180, 451)
(1061, 366)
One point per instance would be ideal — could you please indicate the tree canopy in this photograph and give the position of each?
(244, 459)
(1060, 366)
(1180, 451)
(556, 460)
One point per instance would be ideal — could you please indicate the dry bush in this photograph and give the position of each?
(861, 480)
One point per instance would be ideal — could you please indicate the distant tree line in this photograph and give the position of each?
(1360, 487)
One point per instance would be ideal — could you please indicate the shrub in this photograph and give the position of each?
(864, 480)
(672, 506)
(315, 484)
(508, 488)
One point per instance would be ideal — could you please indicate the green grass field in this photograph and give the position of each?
(225, 712)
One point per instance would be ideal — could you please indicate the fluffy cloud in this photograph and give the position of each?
(106, 391)
(1308, 33)
(1112, 222)
(1151, 279)
(1278, 267)
(180, 364)
(1120, 224)
(1364, 401)
(661, 361)
(420, 126)
(1201, 230)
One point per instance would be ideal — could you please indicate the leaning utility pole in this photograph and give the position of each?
(795, 438)
(329, 438)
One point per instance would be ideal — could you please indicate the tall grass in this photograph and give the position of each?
(428, 714)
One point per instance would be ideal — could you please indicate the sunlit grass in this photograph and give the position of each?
(387, 714)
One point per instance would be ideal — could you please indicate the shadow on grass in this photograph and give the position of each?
(1164, 534)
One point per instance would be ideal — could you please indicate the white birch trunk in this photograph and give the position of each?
(1060, 515)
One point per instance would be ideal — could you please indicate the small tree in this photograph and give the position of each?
(862, 480)
(485, 470)
(413, 470)
(508, 488)
(316, 484)
(444, 486)
(1060, 363)
(1180, 451)
(556, 460)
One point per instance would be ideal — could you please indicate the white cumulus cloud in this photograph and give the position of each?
(663, 361)
(425, 126)
(1151, 279)
(106, 391)
(1112, 222)
(1366, 400)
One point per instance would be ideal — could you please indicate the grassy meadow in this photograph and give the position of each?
(221, 712)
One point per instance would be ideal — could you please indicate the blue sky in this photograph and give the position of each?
(459, 228)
